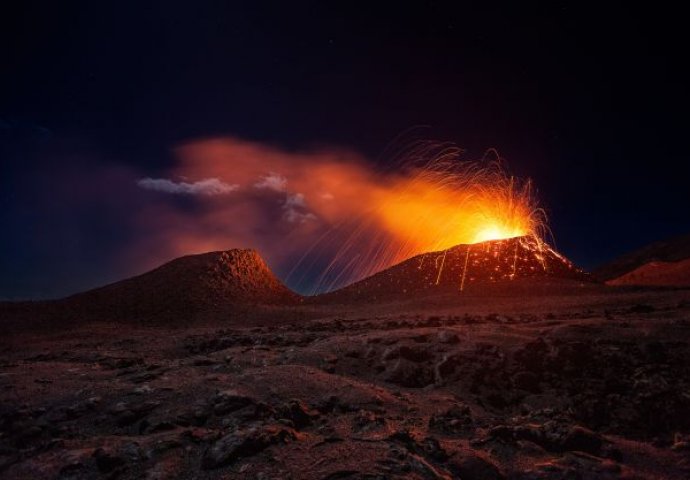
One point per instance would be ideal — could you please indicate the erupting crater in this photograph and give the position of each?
(433, 203)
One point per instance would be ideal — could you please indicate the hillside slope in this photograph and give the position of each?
(190, 285)
(659, 263)
(463, 268)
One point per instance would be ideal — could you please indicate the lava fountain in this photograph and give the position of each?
(430, 200)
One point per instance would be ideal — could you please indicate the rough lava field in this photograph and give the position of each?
(542, 377)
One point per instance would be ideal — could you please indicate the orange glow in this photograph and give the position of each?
(434, 216)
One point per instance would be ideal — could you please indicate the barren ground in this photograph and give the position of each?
(587, 382)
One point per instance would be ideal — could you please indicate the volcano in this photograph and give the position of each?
(464, 268)
(195, 285)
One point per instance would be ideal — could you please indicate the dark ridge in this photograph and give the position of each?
(670, 250)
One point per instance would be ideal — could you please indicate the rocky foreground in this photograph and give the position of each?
(589, 386)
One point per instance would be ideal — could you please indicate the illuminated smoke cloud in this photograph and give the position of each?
(207, 186)
(296, 209)
(325, 217)
(272, 181)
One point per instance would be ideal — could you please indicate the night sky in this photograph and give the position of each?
(589, 103)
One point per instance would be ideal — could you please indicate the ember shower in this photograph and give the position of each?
(431, 200)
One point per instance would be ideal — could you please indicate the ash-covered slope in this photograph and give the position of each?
(659, 263)
(463, 267)
(208, 283)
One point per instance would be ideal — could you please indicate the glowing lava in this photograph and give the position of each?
(429, 216)
(496, 232)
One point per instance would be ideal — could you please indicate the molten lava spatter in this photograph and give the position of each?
(432, 211)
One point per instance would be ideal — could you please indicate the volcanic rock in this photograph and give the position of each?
(457, 419)
(583, 440)
(448, 337)
(554, 437)
(244, 443)
(409, 374)
(229, 401)
(527, 381)
(476, 468)
(126, 414)
(412, 354)
(107, 461)
(299, 414)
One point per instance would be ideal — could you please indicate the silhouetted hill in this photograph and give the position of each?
(191, 284)
(660, 274)
(659, 263)
(195, 287)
